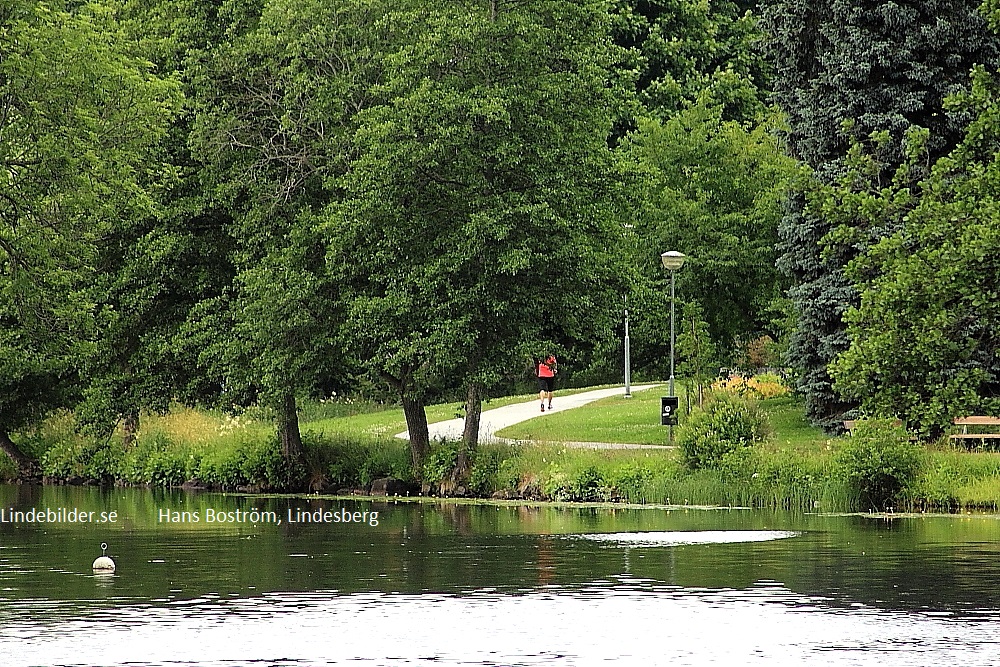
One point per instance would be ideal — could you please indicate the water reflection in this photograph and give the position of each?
(624, 622)
(494, 584)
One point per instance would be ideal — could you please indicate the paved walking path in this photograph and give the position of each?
(497, 419)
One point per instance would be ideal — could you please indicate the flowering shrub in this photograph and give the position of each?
(767, 385)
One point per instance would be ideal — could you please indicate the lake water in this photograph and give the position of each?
(464, 584)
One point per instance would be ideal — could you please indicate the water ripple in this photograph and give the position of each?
(603, 622)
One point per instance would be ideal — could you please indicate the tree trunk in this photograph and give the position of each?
(470, 440)
(288, 430)
(130, 429)
(473, 411)
(420, 439)
(27, 468)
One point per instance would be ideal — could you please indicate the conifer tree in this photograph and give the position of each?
(843, 71)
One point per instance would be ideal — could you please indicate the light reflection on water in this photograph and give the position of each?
(678, 537)
(624, 622)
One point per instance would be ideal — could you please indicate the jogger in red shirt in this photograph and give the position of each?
(546, 372)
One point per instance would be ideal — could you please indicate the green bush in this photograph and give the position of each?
(879, 462)
(440, 462)
(489, 472)
(630, 481)
(263, 465)
(165, 468)
(221, 467)
(63, 460)
(580, 484)
(350, 463)
(726, 425)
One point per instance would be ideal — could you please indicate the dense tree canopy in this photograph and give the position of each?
(275, 103)
(80, 119)
(924, 343)
(684, 51)
(841, 72)
(253, 201)
(713, 190)
(478, 220)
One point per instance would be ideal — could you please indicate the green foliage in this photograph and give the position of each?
(270, 159)
(353, 463)
(924, 336)
(879, 462)
(788, 479)
(936, 486)
(441, 461)
(478, 180)
(80, 120)
(630, 481)
(712, 189)
(696, 352)
(846, 76)
(792, 470)
(726, 426)
(492, 470)
(685, 51)
(584, 484)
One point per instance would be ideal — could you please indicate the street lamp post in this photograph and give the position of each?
(672, 260)
(628, 361)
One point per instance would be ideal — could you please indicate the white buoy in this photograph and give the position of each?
(104, 562)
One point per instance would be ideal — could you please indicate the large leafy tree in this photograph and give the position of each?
(479, 219)
(924, 342)
(154, 266)
(713, 190)
(80, 118)
(275, 101)
(152, 272)
(841, 72)
(683, 50)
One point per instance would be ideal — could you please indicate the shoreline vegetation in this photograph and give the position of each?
(749, 447)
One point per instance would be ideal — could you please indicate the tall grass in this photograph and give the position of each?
(554, 472)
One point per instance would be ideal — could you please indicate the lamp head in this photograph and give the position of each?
(672, 260)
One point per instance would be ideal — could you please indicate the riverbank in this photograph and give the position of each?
(796, 467)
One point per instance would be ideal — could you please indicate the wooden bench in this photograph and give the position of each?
(976, 420)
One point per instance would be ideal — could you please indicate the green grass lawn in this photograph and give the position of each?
(791, 429)
(636, 420)
(611, 420)
(387, 423)
(616, 419)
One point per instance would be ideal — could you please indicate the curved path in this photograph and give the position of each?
(494, 420)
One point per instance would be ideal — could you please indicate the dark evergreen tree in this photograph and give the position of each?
(844, 71)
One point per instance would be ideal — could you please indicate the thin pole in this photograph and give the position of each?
(628, 361)
(671, 428)
(671, 333)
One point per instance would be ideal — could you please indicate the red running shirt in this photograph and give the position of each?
(545, 368)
